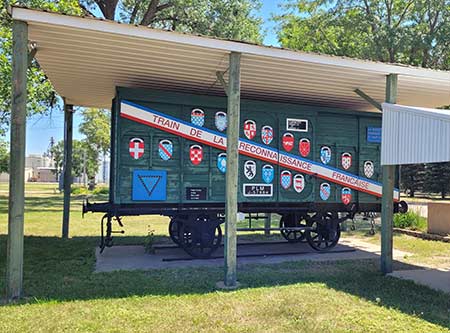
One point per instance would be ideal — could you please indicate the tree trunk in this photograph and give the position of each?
(108, 8)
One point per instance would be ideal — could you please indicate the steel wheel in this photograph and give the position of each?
(325, 231)
(295, 221)
(174, 229)
(200, 238)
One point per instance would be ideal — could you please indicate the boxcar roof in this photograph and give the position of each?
(86, 58)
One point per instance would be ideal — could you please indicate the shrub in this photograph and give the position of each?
(410, 220)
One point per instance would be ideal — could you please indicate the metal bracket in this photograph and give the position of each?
(369, 99)
(222, 81)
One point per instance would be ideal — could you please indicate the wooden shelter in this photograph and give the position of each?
(86, 58)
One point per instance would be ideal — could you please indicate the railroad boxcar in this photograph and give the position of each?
(314, 166)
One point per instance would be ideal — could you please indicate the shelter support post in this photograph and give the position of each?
(233, 109)
(14, 266)
(387, 203)
(68, 131)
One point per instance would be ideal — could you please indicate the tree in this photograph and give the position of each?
(219, 18)
(407, 31)
(95, 127)
(82, 158)
(437, 178)
(41, 95)
(412, 178)
(4, 156)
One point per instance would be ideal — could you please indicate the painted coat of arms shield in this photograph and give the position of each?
(222, 162)
(286, 179)
(136, 148)
(325, 154)
(250, 129)
(268, 173)
(304, 147)
(220, 120)
(250, 169)
(299, 183)
(288, 141)
(165, 149)
(369, 169)
(346, 195)
(346, 161)
(198, 117)
(325, 191)
(196, 154)
(267, 134)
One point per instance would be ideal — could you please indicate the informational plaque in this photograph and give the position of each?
(195, 193)
(258, 190)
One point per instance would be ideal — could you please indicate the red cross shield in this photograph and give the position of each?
(136, 148)
(304, 147)
(250, 129)
(196, 154)
(288, 141)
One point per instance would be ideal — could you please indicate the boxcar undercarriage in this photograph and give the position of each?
(196, 228)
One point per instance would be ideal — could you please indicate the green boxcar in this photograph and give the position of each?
(306, 163)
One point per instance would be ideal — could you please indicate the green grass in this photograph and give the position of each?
(426, 252)
(63, 293)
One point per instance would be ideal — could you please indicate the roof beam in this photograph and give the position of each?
(369, 99)
(222, 81)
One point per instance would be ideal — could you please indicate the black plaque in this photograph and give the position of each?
(195, 193)
(258, 190)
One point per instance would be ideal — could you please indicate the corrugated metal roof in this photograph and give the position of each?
(414, 135)
(85, 59)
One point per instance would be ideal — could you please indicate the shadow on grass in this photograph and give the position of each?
(62, 270)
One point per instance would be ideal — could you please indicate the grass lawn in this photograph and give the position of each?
(63, 293)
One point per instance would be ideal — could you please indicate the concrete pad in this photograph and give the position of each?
(437, 279)
(135, 258)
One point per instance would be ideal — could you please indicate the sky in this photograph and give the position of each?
(41, 128)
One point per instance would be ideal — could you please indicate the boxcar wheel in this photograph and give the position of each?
(295, 221)
(174, 229)
(325, 231)
(201, 237)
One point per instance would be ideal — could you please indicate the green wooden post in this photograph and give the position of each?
(68, 130)
(234, 101)
(14, 266)
(387, 203)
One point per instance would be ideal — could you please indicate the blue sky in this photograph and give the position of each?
(40, 129)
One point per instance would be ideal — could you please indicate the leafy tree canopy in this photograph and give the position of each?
(220, 18)
(414, 32)
(95, 127)
(41, 96)
(82, 157)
